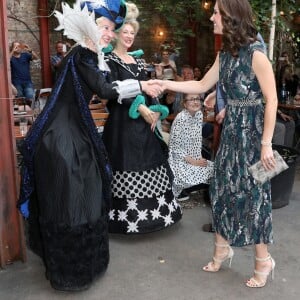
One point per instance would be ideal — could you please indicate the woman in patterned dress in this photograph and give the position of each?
(241, 207)
(142, 198)
(185, 147)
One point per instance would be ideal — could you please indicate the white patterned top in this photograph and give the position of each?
(186, 140)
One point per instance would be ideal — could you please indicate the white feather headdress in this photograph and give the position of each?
(79, 25)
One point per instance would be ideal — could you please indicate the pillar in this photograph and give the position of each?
(12, 245)
(44, 43)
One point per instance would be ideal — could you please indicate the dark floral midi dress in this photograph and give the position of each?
(241, 207)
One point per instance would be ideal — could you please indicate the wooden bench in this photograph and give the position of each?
(99, 118)
(98, 106)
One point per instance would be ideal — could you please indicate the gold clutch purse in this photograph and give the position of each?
(261, 175)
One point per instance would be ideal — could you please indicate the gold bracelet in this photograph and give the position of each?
(264, 143)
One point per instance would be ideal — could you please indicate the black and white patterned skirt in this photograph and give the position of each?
(142, 202)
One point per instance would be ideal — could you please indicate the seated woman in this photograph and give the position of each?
(185, 158)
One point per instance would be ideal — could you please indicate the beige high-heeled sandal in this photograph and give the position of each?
(211, 265)
(253, 283)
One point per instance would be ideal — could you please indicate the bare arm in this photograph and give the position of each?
(265, 75)
(195, 87)
(153, 90)
(201, 162)
(34, 55)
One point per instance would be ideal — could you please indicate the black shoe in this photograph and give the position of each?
(183, 196)
(208, 228)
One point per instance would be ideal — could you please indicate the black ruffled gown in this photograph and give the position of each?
(67, 177)
(142, 197)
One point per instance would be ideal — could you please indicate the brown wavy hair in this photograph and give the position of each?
(238, 27)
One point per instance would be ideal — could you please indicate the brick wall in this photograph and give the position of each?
(23, 26)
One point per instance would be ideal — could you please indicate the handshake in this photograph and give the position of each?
(153, 88)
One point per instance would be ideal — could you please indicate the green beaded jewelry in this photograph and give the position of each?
(162, 109)
(133, 110)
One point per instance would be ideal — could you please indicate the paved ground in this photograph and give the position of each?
(167, 265)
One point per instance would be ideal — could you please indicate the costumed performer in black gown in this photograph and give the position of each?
(66, 177)
(142, 199)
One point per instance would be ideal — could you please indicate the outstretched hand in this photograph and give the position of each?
(151, 89)
(159, 82)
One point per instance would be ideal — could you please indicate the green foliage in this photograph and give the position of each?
(183, 16)
(287, 36)
(179, 14)
(262, 12)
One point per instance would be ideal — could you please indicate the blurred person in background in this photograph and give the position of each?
(20, 57)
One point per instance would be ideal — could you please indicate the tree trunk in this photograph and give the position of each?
(272, 30)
